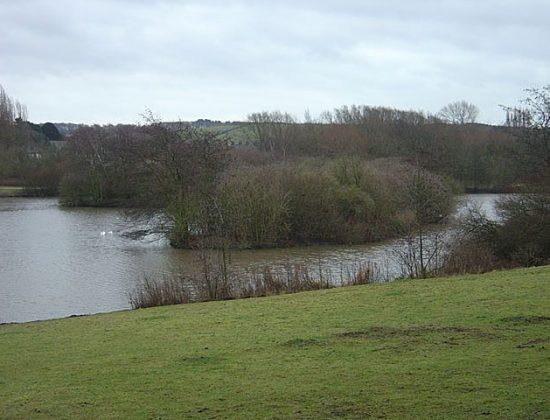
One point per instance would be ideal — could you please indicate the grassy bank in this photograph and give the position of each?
(459, 347)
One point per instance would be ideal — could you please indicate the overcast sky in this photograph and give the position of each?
(99, 61)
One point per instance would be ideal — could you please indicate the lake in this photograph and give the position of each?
(57, 262)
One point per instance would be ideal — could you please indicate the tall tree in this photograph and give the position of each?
(534, 137)
(459, 112)
(275, 131)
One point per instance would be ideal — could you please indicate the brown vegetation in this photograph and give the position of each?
(266, 281)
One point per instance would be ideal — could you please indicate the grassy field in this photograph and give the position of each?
(463, 347)
(239, 133)
(11, 191)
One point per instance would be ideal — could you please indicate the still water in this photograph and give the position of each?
(57, 262)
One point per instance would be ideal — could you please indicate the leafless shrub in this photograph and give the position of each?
(214, 281)
(469, 257)
(363, 275)
(211, 284)
(166, 291)
(275, 281)
(421, 255)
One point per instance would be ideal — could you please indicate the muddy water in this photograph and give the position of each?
(57, 262)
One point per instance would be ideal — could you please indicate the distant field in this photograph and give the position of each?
(463, 347)
(11, 191)
(239, 133)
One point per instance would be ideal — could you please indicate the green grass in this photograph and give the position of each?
(239, 133)
(463, 347)
(6, 191)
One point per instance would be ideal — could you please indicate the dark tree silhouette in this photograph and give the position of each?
(51, 132)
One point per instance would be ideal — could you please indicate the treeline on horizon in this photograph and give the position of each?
(27, 155)
(356, 174)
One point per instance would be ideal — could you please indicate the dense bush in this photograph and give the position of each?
(524, 235)
(344, 200)
(256, 205)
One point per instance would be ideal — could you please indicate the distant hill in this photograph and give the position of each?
(237, 131)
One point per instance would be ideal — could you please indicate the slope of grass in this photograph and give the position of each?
(460, 347)
(239, 132)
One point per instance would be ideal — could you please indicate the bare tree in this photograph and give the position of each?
(7, 111)
(13, 136)
(534, 136)
(21, 113)
(517, 117)
(421, 251)
(275, 131)
(459, 112)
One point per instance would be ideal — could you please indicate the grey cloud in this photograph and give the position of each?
(224, 59)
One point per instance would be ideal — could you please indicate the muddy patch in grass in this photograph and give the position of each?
(533, 343)
(527, 319)
(304, 342)
(383, 332)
